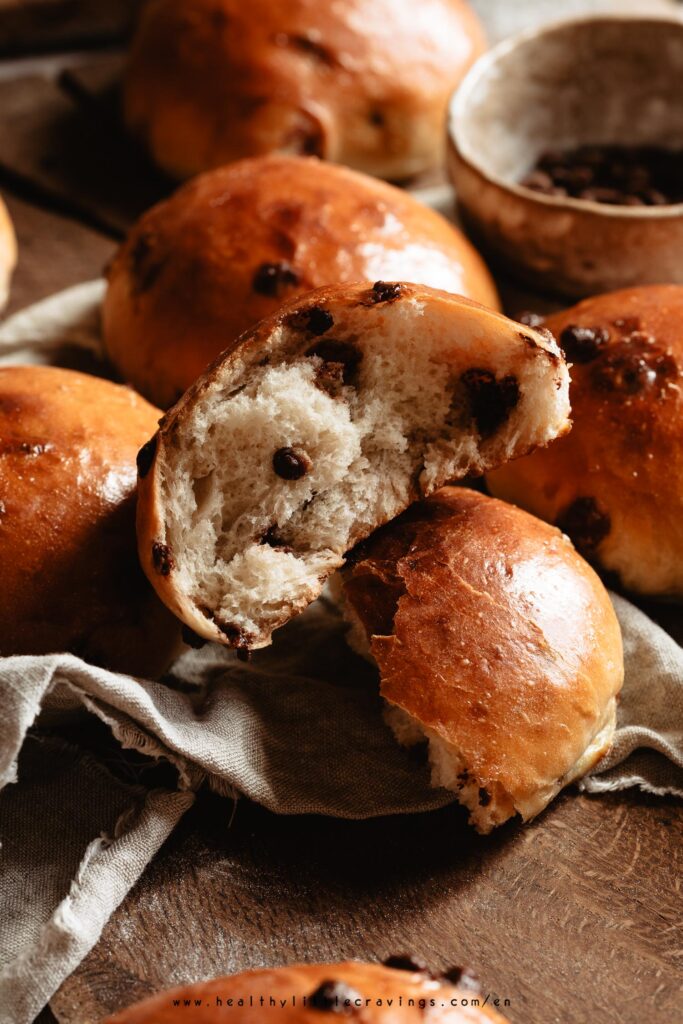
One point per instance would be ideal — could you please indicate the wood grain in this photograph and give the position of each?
(54, 253)
(577, 916)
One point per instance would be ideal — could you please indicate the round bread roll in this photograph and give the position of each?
(615, 483)
(8, 253)
(398, 994)
(358, 82)
(70, 576)
(328, 420)
(230, 247)
(495, 642)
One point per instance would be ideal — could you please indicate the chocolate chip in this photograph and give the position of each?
(145, 457)
(406, 963)
(463, 977)
(582, 344)
(383, 291)
(273, 540)
(334, 997)
(586, 523)
(162, 559)
(146, 263)
(530, 319)
(491, 401)
(28, 448)
(613, 174)
(377, 118)
(273, 279)
(233, 633)
(484, 797)
(315, 320)
(634, 365)
(291, 463)
(342, 353)
(191, 638)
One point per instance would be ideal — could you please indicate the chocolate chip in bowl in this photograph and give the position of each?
(566, 152)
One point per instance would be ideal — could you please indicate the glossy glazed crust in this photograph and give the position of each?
(189, 279)
(70, 576)
(490, 630)
(358, 82)
(254, 347)
(615, 483)
(364, 981)
(8, 253)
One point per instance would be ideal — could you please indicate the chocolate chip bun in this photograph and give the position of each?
(326, 421)
(70, 576)
(403, 993)
(230, 247)
(358, 82)
(8, 253)
(615, 483)
(495, 642)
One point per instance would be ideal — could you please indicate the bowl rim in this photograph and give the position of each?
(461, 94)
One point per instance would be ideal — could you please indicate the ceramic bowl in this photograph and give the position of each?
(615, 80)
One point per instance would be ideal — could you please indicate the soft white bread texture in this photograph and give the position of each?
(495, 642)
(328, 420)
(8, 253)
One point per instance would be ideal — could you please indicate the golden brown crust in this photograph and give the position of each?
(491, 631)
(615, 483)
(70, 576)
(358, 82)
(255, 347)
(369, 983)
(230, 247)
(8, 253)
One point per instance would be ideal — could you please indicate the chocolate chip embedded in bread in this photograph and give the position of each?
(315, 320)
(146, 262)
(586, 523)
(491, 401)
(235, 635)
(145, 457)
(583, 344)
(406, 963)
(162, 559)
(191, 639)
(291, 463)
(383, 291)
(484, 797)
(634, 365)
(345, 354)
(463, 977)
(335, 997)
(273, 279)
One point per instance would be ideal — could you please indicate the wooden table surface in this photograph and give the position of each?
(575, 917)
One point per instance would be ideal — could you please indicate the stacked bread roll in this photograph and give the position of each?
(358, 82)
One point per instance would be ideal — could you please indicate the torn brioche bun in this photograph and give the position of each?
(71, 580)
(8, 253)
(615, 483)
(358, 82)
(495, 642)
(327, 420)
(307, 992)
(232, 246)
